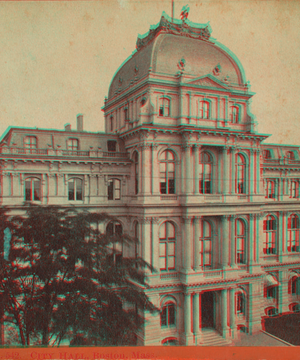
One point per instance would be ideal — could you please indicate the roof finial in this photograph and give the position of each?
(184, 12)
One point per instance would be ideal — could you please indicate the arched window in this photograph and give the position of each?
(205, 176)
(234, 114)
(168, 315)
(240, 240)
(170, 342)
(114, 230)
(295, 307)
(270, 230)
(30, 142)
(271, 189)
(271, 311)
(32, 189)
(167, 172)
(294, 189)
(290, 155)
(293, 233)
(75, 189)
(240, 304)
(204, 109)
(240, 174)
(164, 107)
(136, 172)
(167, 246)
(114, 189)
(205, 245)
(72, 144)
(293, 285)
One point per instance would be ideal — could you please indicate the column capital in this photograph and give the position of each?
(226, 217)
(186, 219)
(144, 220)
(155, 220)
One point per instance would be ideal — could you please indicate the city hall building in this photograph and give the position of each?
(183, 168)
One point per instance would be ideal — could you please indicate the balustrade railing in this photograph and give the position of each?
(60, 152)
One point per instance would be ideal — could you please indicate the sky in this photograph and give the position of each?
(57, 58)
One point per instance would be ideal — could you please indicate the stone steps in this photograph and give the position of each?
(212, 337)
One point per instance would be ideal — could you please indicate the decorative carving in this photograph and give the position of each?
(181, 65)
(217, 70)
(167, 26)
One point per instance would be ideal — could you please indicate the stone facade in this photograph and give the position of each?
(183, 168)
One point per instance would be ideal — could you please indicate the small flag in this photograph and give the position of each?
(7, 238)
(184, 12)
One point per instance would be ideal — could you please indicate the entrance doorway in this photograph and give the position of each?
(207, 309)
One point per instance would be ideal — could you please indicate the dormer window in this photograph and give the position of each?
(234, 114)
(111, 145)
(72, 144)
(164, 107)
(267, 154)
(290, 155)
(30, 142)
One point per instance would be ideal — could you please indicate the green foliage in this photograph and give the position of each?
(62, 280)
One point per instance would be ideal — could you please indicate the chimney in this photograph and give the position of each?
(67, 127)
(79, 122)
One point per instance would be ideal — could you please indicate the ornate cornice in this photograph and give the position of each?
(177, 27)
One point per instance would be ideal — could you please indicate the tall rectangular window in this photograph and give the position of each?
(32, 189)
(114, 189)
(72, 144)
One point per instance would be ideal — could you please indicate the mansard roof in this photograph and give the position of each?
(162, 48)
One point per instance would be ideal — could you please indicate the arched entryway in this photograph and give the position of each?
(207, 310)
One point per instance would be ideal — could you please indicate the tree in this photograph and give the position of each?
(63, 280)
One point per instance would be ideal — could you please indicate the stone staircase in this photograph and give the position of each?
(211, 337)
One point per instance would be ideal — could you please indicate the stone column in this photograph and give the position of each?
(232, 242)
(187, 317)
(261, 236)
(225, 241)
(146, 169)
(226, 111)
(196, 168)
(218, 111)
(180, 110)
(252, 174)
(146, 239)
(154, 171)
(188, 172)
(182, 175)
(251, 242)
(197, 266)
(155, 243)
(250, 308)
(186, 242)
(232, 174)
(280, 232)
(226, 177)
(285, 216)
(196, 317)
(224, 313)
(232, 312)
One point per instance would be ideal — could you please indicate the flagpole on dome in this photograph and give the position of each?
(172, 11)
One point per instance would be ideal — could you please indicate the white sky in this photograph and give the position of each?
(57, 58)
